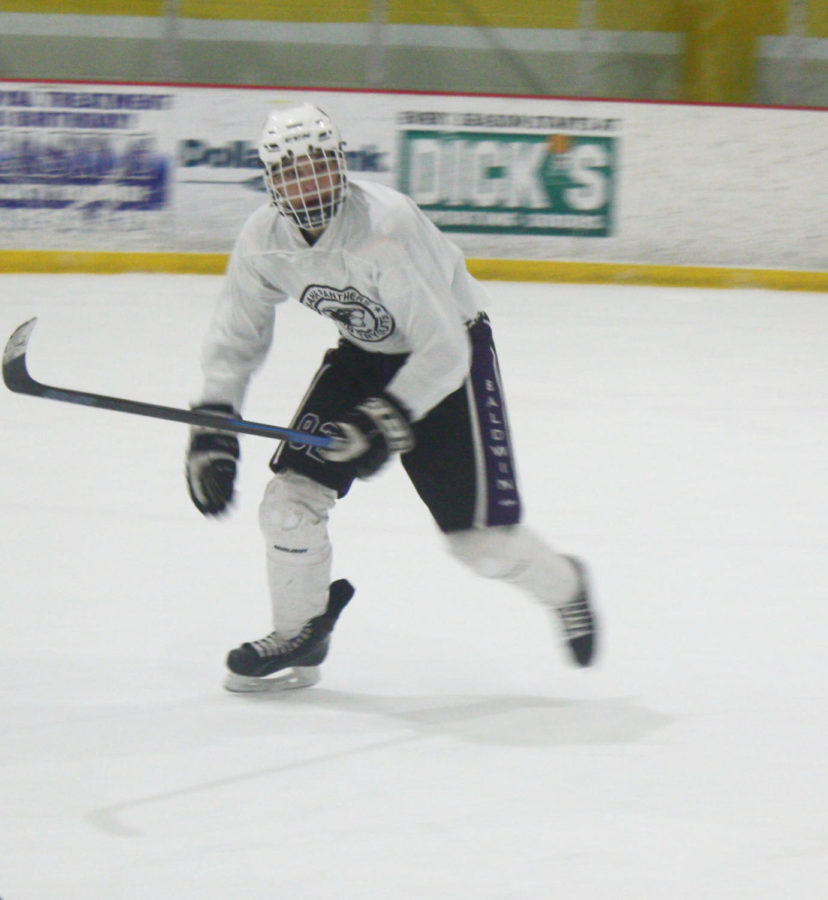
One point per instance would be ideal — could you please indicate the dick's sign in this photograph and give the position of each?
(553, 184)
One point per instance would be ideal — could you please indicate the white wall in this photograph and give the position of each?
(124, 168)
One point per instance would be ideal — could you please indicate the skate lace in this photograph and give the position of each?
(276, 645)
(576, 617)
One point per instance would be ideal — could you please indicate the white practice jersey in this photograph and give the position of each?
(387, 277)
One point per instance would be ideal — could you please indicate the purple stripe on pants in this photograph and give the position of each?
(503, 507)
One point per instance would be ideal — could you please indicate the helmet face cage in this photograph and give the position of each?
(305, 170)
(308, 189)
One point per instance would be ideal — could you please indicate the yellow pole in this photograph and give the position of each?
(720, 50)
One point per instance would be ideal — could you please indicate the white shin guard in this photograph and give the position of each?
(516, 555)
(293, 518)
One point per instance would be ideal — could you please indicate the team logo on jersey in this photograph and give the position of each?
(363, 318)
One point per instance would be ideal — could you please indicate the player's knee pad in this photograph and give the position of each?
(293, 516)
(500, 551)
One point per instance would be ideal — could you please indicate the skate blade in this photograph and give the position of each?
(290, 679)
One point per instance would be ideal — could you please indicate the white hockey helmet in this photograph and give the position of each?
(305, 171)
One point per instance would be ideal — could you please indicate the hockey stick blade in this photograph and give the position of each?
(17, 378)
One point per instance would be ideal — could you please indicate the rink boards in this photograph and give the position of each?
(119, 177)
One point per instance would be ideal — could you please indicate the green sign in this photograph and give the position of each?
(555, 184)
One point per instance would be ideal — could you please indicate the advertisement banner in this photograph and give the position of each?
(85, 160)
(122, 167)
(511, 182)
(478, 168)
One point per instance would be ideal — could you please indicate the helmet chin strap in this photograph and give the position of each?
(312, 218)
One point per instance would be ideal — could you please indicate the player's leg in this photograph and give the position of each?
(293, 517)
(515, 554)
(463, 468)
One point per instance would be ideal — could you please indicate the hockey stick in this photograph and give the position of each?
(17, 379)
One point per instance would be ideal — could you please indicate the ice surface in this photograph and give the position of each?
(676, 439)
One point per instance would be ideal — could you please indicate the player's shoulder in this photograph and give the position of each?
(384, 205)
(259, 226)
(376, 192)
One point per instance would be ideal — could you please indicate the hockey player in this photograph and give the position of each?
(414, 373)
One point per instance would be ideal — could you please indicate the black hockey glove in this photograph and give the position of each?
(370, 433)
(211, 463)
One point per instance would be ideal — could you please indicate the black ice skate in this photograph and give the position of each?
(578, 619)
(297, 658)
